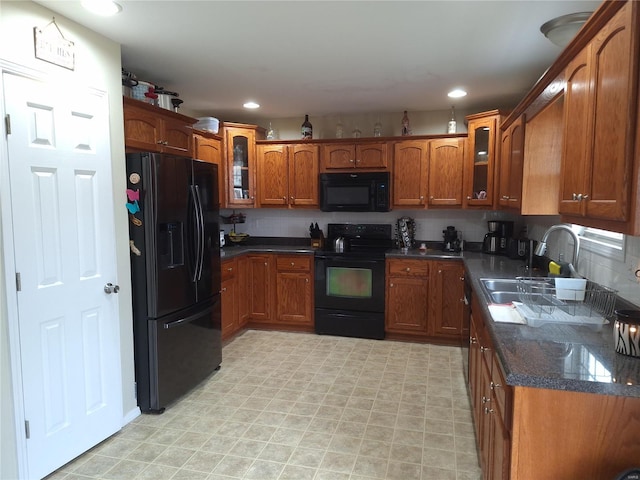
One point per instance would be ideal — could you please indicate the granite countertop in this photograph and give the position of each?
(558, 357)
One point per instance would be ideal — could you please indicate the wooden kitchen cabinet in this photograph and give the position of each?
(229, 297)
(363, 155)
(447, 288)
(153, 129)
(294, 290)
(240, 149)
(407, 297)
(598, 154)
(410, 170)
(446, 164)
(288, 175)
(208, 147)
(511, 165)
(481, 159)
(260, 271)
(491, 401)
(242, 284)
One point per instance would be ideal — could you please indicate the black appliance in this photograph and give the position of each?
(354, 192)
(451, 241)
(350, 283)
(175, 270)
(497, 239)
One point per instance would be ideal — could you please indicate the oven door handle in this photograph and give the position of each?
(350, 260)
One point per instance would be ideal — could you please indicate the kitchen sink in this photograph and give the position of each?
(507, 290)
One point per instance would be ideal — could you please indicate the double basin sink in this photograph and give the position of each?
(507, 290)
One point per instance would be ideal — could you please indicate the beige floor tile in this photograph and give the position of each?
(290, 406)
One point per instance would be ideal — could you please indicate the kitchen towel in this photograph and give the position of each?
(506, 314)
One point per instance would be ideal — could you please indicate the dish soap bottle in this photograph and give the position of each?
(451, 126)
(307, 129)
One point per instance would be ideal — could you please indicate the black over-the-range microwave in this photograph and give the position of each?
(354, 192)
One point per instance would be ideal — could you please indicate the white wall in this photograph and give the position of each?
(97, 65)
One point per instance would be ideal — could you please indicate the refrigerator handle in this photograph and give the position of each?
(190, 318)
(200, 237)
(196, 234)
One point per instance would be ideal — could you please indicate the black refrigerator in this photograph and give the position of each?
(175, 270)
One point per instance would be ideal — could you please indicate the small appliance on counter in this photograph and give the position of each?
(497, 239)
(451, 241)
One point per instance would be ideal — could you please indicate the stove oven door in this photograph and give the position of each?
(346, 283)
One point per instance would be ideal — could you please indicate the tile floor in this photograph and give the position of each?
(302, 406)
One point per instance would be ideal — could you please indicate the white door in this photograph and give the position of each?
(64, 241)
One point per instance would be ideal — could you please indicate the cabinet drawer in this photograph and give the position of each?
(408, 267)
(228, 269)
(294, 262)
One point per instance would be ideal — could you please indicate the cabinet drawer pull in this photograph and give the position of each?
(485, 399)
(488, 410)
(493, 386)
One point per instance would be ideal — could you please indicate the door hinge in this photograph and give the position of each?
(27, 432)
(7, 123)
(18, 282)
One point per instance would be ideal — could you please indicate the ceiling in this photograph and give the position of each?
(324, 57)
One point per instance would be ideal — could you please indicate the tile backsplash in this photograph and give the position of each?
(598, 268)
(471, 225)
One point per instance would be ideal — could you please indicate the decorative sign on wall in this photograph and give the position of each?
(51, 46)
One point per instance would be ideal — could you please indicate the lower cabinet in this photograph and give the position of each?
(229, 292)
(491, 401)
(267, 290)
(425, 300)
(294, 290)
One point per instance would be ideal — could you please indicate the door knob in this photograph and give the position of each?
(111, 288)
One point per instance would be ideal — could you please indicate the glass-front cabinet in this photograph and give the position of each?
(240, 144)
(481, 159)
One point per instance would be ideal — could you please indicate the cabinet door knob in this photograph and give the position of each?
(284, 198)
(585, 197)
(159, 142)
(421, 197)
(485, 399)
(351, 160)
(468, 197)
(390, 285)
(306, 280)
(472, 340)
(293, 199)
(408, 269)
(292, 264)
(440, 272)
(574, 196)
(488, 410)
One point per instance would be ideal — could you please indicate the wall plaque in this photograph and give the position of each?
(51, 46)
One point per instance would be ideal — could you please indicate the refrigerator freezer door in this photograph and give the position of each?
(184, 350)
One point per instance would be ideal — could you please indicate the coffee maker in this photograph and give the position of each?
(496, 240)
(451, 240)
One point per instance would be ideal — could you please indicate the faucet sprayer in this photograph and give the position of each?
(542, 246)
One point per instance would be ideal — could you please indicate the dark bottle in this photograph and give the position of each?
(307, 129)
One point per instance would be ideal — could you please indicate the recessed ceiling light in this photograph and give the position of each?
(457, 93)
(251, 105)
(105, 8)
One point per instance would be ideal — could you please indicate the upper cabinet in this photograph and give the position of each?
(287, 175)
(481, 158)
(240, 146)
(153, 129)
(600, 114)
(365, 155)
(208, 147)
(446, 163)
(410, 170)
(511, 164)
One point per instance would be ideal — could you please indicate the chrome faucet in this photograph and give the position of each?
(542, 246)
